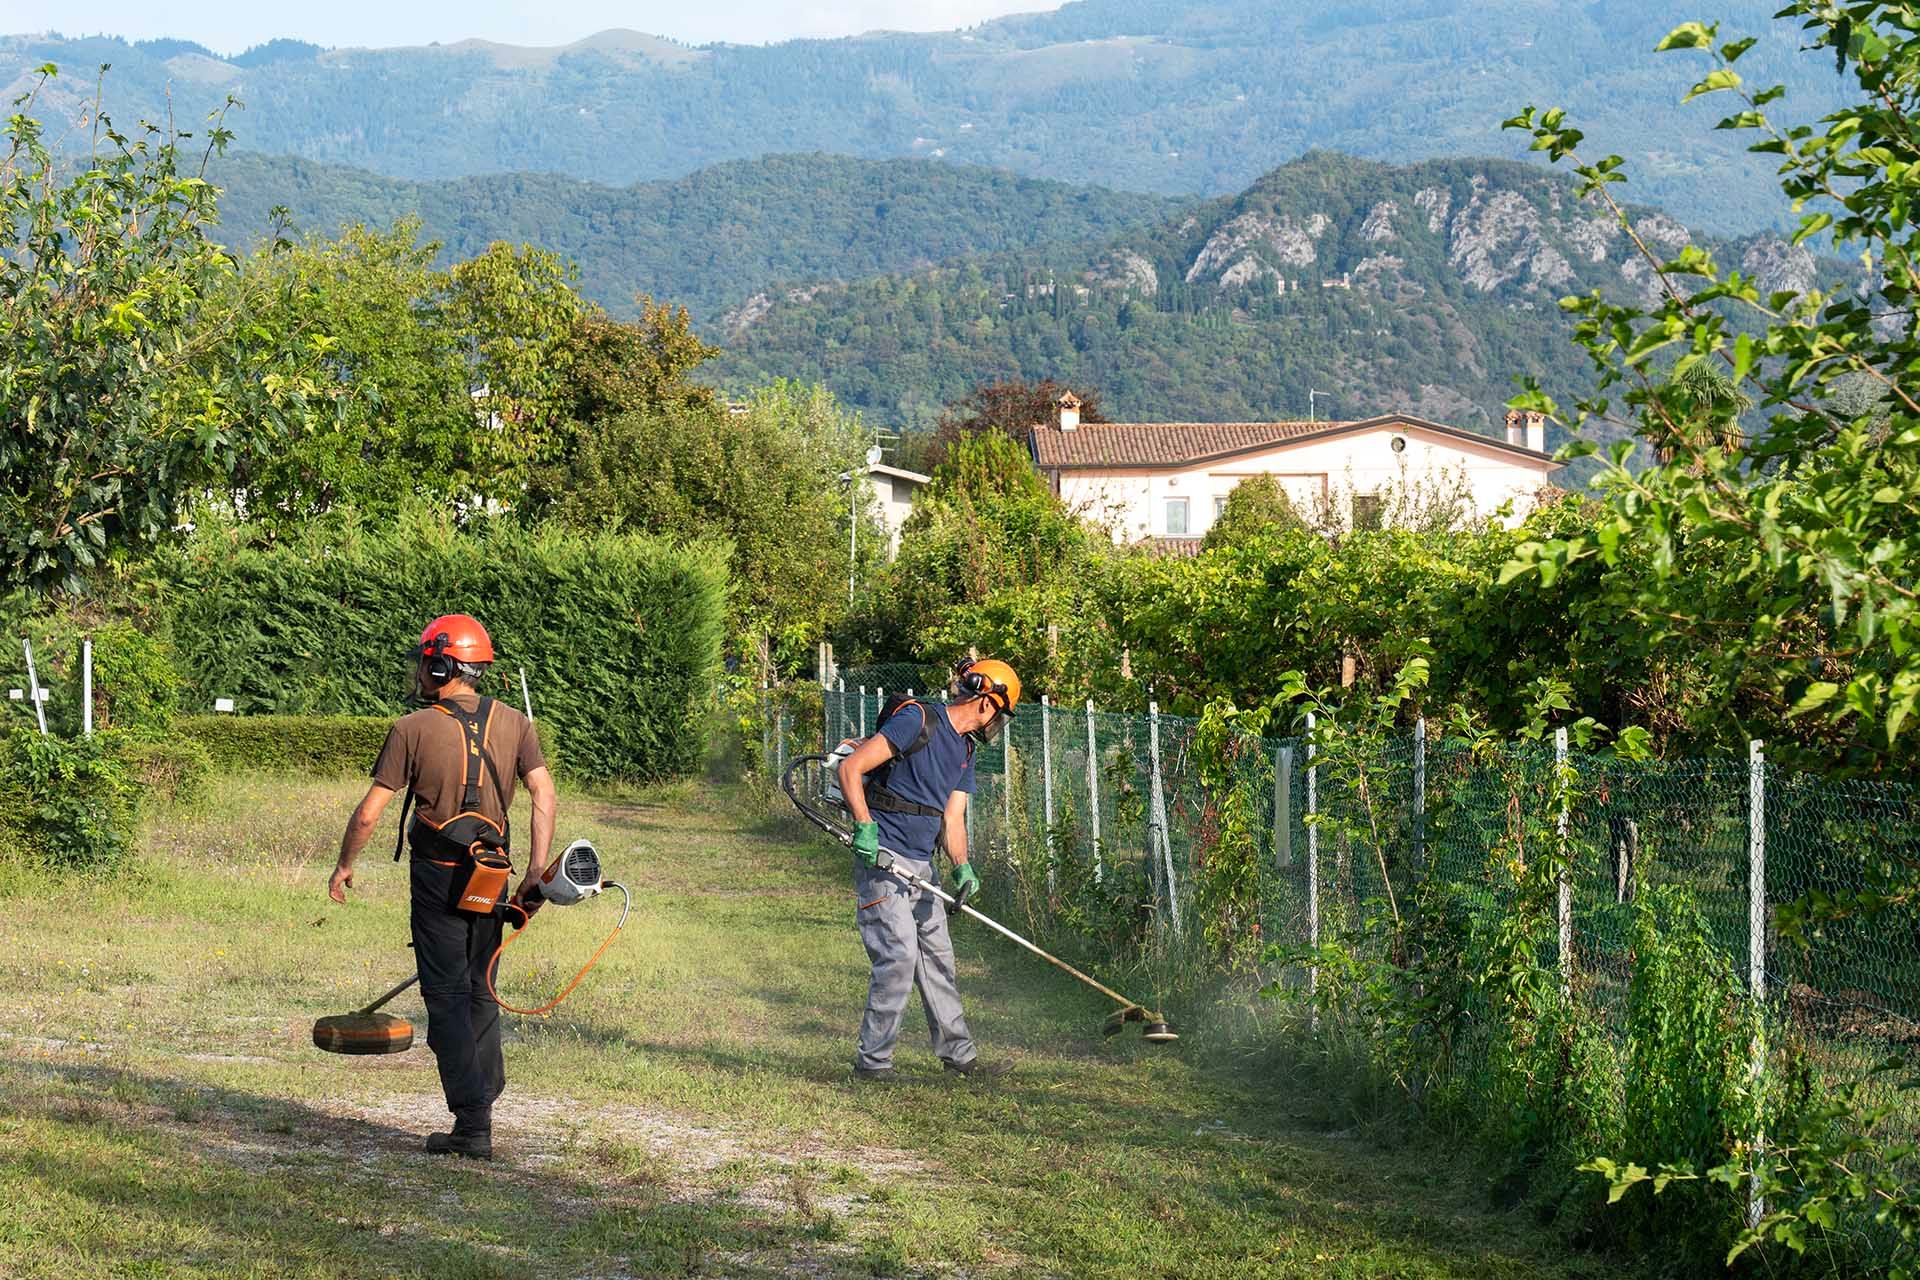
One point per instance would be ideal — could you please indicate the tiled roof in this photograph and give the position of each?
(1147, 444)
(1177, 444)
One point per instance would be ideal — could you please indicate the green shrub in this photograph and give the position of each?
(309, 744)
(176, 772)
(69, 804)
(620, 635)
(135, 684)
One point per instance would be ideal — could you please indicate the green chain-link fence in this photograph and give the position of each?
(1072, 797)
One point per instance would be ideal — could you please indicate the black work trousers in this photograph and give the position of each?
(463, 1022)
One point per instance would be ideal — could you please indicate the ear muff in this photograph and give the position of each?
(439, 663)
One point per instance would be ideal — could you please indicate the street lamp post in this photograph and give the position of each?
(853, 518)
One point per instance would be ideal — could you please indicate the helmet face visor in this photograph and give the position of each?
(992, 729)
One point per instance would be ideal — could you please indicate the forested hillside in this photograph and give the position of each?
(1425, 288)
(1174, 96)
(709, 240)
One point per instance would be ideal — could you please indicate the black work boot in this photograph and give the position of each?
(474, 1145)
(974, 1069)
(873, 1075)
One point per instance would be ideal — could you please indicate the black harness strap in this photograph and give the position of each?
(473, 735)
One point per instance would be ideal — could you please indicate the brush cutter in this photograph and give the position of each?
(572, 877)
(809, 774)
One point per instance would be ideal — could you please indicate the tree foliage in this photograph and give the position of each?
(766, 481)
(1257, 505)
(1009, 408)
(1786, 558)
(129, 371)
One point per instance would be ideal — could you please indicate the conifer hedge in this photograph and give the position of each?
(620, 635)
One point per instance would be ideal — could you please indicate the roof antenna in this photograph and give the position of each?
(1311, 415)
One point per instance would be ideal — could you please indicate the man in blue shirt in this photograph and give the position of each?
(923, 754)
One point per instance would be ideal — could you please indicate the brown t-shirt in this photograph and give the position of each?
(427, 751)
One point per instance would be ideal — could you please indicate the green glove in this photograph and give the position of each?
(966, 879)
(866, 842)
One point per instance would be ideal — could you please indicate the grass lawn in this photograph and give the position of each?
(689, 1111)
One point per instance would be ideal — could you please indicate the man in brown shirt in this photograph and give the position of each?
(458, 758)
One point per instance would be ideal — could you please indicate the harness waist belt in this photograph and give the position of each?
(878, 797)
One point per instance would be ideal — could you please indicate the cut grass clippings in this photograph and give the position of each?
(689, 1111)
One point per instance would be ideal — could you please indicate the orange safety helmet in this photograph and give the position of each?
(457, 637)
(989, 678)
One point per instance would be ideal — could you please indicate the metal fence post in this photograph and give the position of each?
(860, 714)
(1046, 785)
(1157, 823)
(33, 688)
(1757, 948)
(86, 686)
(1420, 792)
(1006, 789)
(1093, 788)
(1313, 866)
(1283, 807)
(1563, 803)
(766, 728)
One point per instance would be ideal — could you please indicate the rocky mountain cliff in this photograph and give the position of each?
(1425, 288)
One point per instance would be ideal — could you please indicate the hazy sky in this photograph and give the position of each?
(228, 26)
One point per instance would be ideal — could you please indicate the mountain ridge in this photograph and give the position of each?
(706, 240)
(1193, 97)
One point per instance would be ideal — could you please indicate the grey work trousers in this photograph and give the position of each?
(905, 932)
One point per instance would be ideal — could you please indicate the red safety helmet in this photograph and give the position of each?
(458, 637)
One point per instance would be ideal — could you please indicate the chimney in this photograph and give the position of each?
(1516, 428)
(1536, 431)
(1069, 412)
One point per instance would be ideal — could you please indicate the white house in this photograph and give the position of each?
(892, 491)
(1170, 480)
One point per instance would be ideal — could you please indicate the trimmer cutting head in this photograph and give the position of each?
(1157, 1030)
(363, 1033)
(364, 1030)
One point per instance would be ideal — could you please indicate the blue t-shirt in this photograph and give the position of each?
(928, 776)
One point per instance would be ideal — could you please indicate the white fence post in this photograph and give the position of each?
(1093, 788)
(1565, 807)
(1757, 948)
(86, 686)
(1157, 824)
(33, 688)
(1046, 783)
(860, 714)
(1313, 865)
(1283, 807)
(780, 742)
(1420, 792)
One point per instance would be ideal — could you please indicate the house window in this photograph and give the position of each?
(1219, 507)
(1369, 510)
(1176, 517)
(903, 491)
